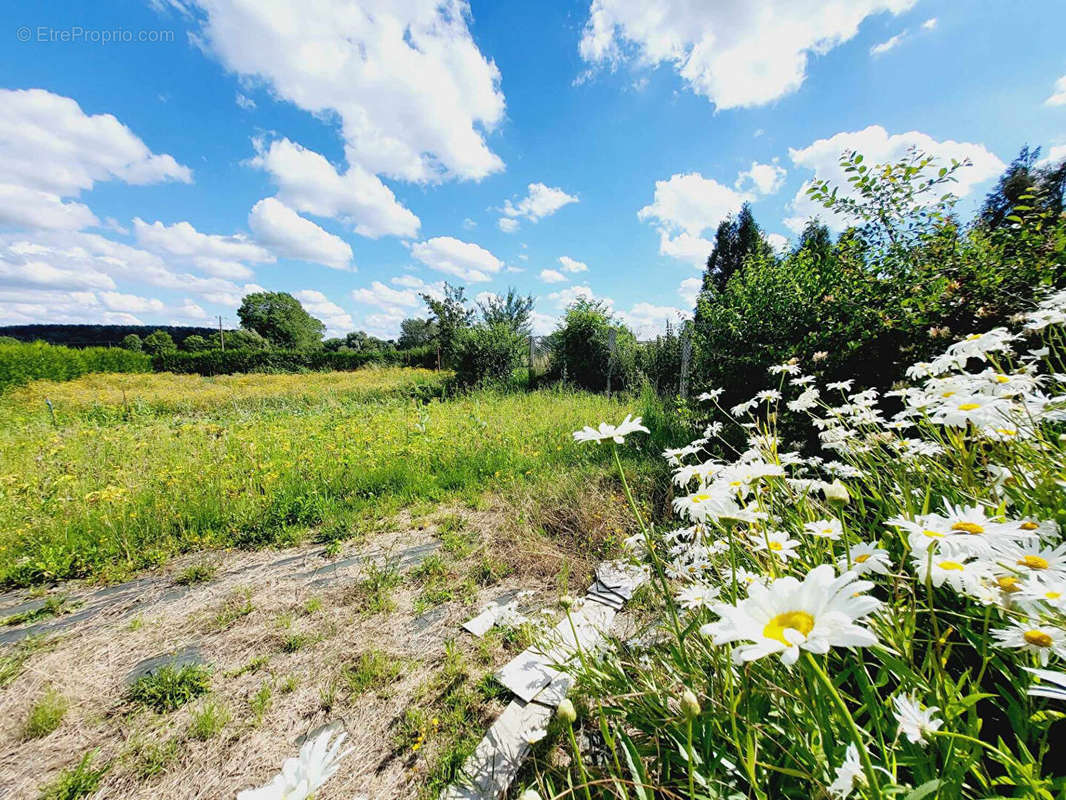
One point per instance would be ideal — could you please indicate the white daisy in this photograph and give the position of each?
(1042, 640)
(915, 721)
(847, 774)
(301, 777)
(866, 557)
(824, 528)
(605, 431)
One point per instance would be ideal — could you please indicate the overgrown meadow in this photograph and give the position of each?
(133, 469)
(881, 618)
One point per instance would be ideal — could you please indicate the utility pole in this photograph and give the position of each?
(221, 336)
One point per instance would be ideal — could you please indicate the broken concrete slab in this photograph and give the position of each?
(503, 606)
(490, 770)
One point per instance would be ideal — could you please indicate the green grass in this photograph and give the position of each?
(195, 573)
(237, 606)
(45, 715)
(78, 781)
(154, 758)
(260, 702)
(54, 606)
(208, 721)
(105, 496)
(373, 594)
(13, 659)
(170, 687)
(374, 670)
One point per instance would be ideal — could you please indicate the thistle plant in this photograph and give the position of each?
(882, 615)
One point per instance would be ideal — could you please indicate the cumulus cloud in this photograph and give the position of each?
(689, 290)
(541, 201)
(684, 207)
(761, 178)
(214, 254)
(552, 276)
(572, 265)
(412, 92)
(507, 225)
(307, 182)
(51, 149)
(1055, 155)
(564, 297)
(287, 234)
(777, 242)
(28, 306)
(1058, 94)
(647, 320)
(733, 54)
(337, 320)
(245, 102)
(130, 303)
(930, 24)
(383, 296)
(464, 260)
(878, 146)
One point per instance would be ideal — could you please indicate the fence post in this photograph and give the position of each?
(612, 338)
(686, 359)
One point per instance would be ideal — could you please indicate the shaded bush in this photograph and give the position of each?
(488, 353)
(22, 363)
(581, 353)
(226, 362)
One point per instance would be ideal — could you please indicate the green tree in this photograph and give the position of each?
(1023, 186)
(581, 352)
(488, 353)
(195, 343)
(737, 239)
(415, 332)
(159, 342)
(238, 340)
(511, 309)
(132, 341)
(451, 317)
(280, 319)
(8, 340)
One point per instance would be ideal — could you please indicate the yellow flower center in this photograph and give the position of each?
(973, 337)
(775, 545)
(1008, 583)
(1029, 526)
(862, 559)
(968, 527)
(932, 534)
(953, 565)
(969, 406)
(796, 620)
(699, 498)
(1033, 562)
(1038, 638)
(1006, 431)
(1052, 595)
(947, 394)
(1002, 379)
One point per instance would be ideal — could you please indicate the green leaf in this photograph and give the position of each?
(924, 790)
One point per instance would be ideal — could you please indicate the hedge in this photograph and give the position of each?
(225, 362)
(22, 363)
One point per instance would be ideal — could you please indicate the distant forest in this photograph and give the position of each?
(96, 335)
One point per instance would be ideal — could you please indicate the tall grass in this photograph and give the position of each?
(866, 620)
(87, 498)
(22, 363)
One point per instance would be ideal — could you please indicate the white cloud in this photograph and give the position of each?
(469, 224)
(552, 276)
(1055, 154)
(24, 207)
(412, 93)
(572, 265)
(464, 260)
(777, 242)
(733, 54)
(930, 24)
(217, 255)
(542, 324)
(337, 320)
(889, 44)
(287, 234)
(28, 306)
(564, 297)
(130, 303)
(16, 270)
(689, 290)
(191, 310)
(761, 178)
(48, 143)
(51, 149)
(307, 182)
(1058, 95)
(877, 146)
(245, 102)
(507, 225)
(383, 296)
(684, 207)
(648, 321)
(541, 201)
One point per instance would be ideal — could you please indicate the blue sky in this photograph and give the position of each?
(358, 153)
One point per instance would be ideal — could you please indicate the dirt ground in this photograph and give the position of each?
(291, 620)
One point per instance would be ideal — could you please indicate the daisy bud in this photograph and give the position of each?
(836, 492)
(567, 712)
(530, 794)
(566, 601)
(690, 706)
